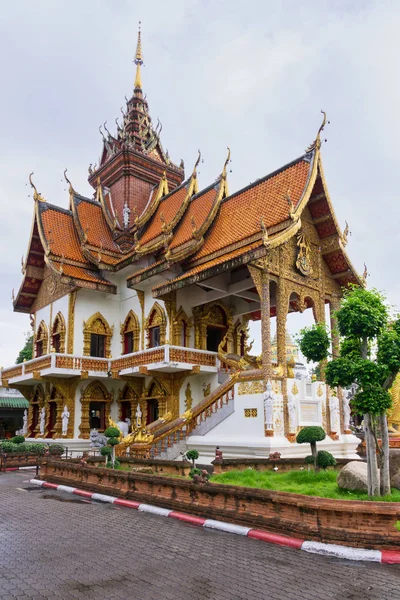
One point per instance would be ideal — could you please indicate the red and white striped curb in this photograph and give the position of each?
(19, 469)
(360, 554)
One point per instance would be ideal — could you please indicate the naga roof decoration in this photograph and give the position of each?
(144, 210)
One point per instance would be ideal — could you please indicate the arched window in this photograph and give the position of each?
(130, 334)
(41, 340)
(156, 326)
(217, 326)
(58, 333)
(97, 337)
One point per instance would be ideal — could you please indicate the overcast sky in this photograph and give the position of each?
(252, 75)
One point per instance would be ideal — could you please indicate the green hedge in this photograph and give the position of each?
(35, 448)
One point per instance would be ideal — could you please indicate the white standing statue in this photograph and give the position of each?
(42, 421)
(65, 419)
(335, 418)
(269, 407)
(126, 211)
(25, 423)
(123, 426)
(138, 417)
(292, 410)
(346, 410)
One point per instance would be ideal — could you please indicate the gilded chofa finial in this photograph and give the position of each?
(36, 195)
(345, 234)
(365, 275)
(71, 189)
(138, 61)
(196, 164)
(264, 230)
(228, 158)
(316, 144)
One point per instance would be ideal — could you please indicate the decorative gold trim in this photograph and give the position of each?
(97, 324)
(94, 392)
(131, 324)
(42, 336)
(59, 328)
(180, 320)
(156, 318)
(71, 321)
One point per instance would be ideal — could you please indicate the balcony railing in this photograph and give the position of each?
(170, 358)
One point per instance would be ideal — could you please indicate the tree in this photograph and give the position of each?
(369, 357)
(311, 435)
(192, 455)
(112, 434)
(27, 351)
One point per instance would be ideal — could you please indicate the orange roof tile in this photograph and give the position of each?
(199, 208)
(60, 233)
(168, 207)
(93, 222)
(212, 263)
(240, 214)
(84, 275)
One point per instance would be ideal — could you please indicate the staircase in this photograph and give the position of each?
(170, 439)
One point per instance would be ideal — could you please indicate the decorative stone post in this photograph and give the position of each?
(269, 400)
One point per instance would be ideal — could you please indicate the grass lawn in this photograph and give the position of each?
(321, 484)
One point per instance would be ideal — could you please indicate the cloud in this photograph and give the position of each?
(251, 75)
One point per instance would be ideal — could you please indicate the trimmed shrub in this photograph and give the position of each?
(106, 451)
(325, 459)
(311, 435)
(17, 439)
(56, 449)
(309, 460)
(192, 455)
(194, 471)
(116, 464)
(112, 432)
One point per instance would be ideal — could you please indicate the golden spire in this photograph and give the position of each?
(138, 61)
(36, 195)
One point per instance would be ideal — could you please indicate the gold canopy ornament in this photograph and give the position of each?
(303, 261)
(316, 144)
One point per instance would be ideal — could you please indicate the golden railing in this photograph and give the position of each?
(174, 431)
(38, 364)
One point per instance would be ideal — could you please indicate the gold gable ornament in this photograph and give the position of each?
(303, 260)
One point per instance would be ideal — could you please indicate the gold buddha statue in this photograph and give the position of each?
(393, 414)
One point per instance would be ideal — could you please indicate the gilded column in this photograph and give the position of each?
(282, 306)
(50, 338)
(71, 322)
(140, 295)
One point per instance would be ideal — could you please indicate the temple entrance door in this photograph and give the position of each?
(97, 414)
(152, 411)
(52, 419)
(215, 335)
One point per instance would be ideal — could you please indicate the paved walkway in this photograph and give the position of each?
(53, 545)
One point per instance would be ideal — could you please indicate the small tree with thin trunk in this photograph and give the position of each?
(369, 357)
(192, 455)
(112, 434)
(311, 435)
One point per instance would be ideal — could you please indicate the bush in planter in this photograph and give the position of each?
(56, 449)
(311, 435)
(192, 455)
(325, 459)
(17, 439)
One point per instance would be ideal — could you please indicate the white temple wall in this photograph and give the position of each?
(197, 384)
(237, 424)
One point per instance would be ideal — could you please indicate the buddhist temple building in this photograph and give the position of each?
(141, 296)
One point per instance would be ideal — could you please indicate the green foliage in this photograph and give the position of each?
(194, 472)
(35, 448)
(112, 432)
(27, 351)
(18, 439)
(314, 342)
(116, 464)
(56, 449)
(310, 435)
(309, 460)
(192, 455)
(350, 348)
(106, 451)
(397, 525)
(389, 348)
(113, 441)
(372, 399)
(325, 459)
(310, 483)
(362, 314)
(340, 371)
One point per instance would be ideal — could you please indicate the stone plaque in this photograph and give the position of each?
(309, 413)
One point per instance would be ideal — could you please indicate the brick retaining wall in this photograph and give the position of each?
(351, 523)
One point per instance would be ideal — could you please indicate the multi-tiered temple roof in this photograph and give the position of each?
(145, 214)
